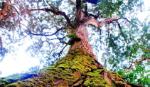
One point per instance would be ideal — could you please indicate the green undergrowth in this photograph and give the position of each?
(71, 71)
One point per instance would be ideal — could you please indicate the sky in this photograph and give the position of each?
(17, 60)
(146, 11)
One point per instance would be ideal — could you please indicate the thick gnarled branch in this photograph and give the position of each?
(93, 21)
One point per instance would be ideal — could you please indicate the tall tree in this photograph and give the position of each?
(80, 66)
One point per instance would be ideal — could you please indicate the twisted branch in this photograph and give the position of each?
(56, 12)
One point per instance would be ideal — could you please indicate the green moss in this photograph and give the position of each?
(72, 36)
(72, 69)
(95, 73)
(95, 81)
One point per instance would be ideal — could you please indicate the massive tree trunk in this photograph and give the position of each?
(76, 69)
(79, 68)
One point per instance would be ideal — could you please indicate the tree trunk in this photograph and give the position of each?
(74, 70)
(78, 69)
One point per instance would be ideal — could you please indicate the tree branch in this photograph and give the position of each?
(137, 62)
(96, 23)
(95, 16)
(56, 12)
(78, 4)
(79, 14)
(121, 31)
(42, 34)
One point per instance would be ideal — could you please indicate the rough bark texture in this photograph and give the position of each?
(74, 70)
(83, 45)
(78, 69)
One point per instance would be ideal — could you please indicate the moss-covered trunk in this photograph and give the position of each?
(74, 70)
(78, 68)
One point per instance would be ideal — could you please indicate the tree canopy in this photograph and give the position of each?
(119, 39)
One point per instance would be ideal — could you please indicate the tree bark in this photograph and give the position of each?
(79, 68)
(75, 70)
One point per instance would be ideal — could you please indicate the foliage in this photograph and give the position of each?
(136, 52)
(108, 7)
(72, 36)
(139, 75)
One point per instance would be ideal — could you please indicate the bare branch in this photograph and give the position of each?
(94, 22)
(62, 50)
(137, 62)
(79, 14)
(41, 34)
(121, 31)
(95, 16)
(141, 60)
(56, 12)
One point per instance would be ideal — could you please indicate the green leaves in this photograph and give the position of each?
(139, 75)
(108, 7)
(72, 36)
